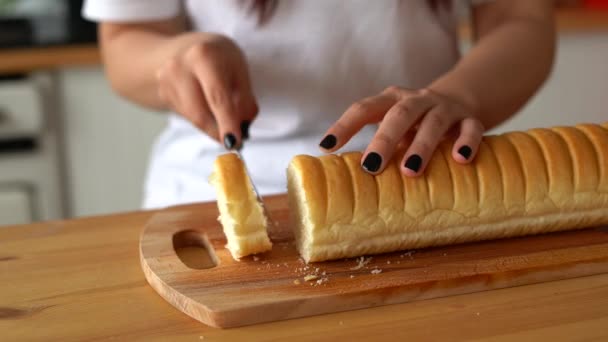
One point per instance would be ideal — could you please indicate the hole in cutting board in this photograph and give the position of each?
(194, 250)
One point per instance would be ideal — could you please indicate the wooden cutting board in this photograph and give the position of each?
(271, 286)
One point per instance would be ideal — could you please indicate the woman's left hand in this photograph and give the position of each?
(425, 113)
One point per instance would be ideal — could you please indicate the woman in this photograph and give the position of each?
(279, 77)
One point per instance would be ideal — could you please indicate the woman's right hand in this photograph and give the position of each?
(208, 84)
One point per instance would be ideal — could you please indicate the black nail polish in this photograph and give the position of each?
(329, 141)
(465, 151)
(245, 129)
(414, 162)
(229, 141)
(372, 162)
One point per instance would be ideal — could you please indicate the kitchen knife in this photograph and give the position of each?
(255, 190)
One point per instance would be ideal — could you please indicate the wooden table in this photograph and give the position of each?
(24, 60)
(81, 280)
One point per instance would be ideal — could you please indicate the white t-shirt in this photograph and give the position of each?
(308, 63)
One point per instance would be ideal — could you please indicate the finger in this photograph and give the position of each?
(432, 128)
(218, 89)
(193, 105)
(245, 101)
(182, 93)
(406, 141)
(466, 146)
(397, 121)
(165, 79)
(366, 111)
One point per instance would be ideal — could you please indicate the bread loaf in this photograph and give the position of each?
(520, 183)
(241, 215)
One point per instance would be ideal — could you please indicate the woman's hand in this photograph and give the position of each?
(424, 113)
(208, 84)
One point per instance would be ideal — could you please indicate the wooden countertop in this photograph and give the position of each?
(569, 20)
(32, 59)
(81, 280)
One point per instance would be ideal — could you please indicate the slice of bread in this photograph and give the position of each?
(241, 214)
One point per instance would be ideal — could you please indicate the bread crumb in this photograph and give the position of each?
(352, 276)
(201, 337)
(296, 282)
(256, 258)
(477, 313)
(388, 262)
(376, 271)
(445, 254)
(323, 273)
(361, 262)
(341, 323)
(322, 281)
(310, 277)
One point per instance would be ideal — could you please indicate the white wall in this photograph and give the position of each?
(577, 90)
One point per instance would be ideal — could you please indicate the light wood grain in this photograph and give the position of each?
(81, 280)
(254, 291)
(32, 59)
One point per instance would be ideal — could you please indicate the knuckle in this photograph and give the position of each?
(412, 102)
(201, 51)
(385, 139)
(360, 106)
(401, 111)
(424, 146)
(437, 121)
(393, 90)
(425, 92)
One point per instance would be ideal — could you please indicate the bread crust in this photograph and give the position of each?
(241, 215)
(520, 183)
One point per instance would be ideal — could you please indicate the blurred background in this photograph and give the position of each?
(69, 147)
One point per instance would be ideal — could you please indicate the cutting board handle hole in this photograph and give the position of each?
(194, 250)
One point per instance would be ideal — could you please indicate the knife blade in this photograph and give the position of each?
(255, 190)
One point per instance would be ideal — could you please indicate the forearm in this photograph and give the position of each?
(133, 53)
(506, 67)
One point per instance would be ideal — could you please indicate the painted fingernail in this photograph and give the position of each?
(465, 151)
(414, 162)
(329, 141)
(372, 162)
(229, 141)
(245, 129)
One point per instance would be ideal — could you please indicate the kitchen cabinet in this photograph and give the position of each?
(15, 205)
(107, 142)
(30, 159)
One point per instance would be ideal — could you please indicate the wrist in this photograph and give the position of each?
(458, 92)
